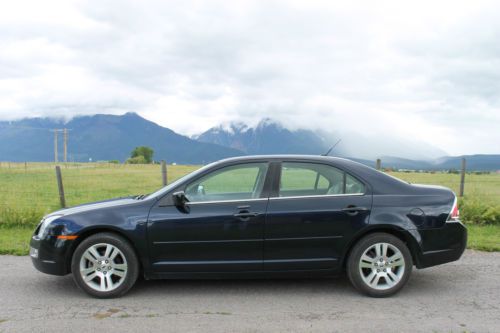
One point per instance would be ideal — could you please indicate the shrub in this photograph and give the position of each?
(476, 212)
(137, 160)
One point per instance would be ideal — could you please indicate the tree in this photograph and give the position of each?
(145, 152)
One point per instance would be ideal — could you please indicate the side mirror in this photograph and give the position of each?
(179, 199)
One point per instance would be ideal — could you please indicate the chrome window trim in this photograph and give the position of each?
(224, 201)
(276, 198)
(318, 196)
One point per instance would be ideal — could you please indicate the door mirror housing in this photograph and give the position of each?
(179, 199)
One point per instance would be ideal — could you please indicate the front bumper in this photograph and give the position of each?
(442, 245)
(51, 255)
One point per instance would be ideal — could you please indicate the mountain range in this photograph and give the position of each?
(110, 137)
(103, 137)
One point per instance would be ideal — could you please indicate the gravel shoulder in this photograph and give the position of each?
(463, 296)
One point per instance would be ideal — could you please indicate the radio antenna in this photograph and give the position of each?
(330, 150)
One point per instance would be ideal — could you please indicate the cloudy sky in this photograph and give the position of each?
(426, 70)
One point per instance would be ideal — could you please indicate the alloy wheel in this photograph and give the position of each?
(103, 267)
(382, 266)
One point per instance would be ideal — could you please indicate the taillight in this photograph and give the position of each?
(455, 213)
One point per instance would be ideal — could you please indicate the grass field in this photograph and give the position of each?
(29, 191)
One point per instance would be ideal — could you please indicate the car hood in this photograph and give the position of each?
(95, 205)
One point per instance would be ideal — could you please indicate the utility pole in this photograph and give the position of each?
(65, 135)
(56, 142)
(56, 159)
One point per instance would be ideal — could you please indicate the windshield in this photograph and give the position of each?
(176, 183)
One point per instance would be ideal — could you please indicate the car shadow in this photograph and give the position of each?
(422, 282)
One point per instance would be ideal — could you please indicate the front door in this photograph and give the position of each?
(220, 229)
(317, 208)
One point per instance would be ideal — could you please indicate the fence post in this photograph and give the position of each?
(379, 163)
(462, 179)
(60, 186)
(164, 172)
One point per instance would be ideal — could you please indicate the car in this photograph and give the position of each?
(276, 216)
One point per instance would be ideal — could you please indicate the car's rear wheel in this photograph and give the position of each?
(379, 265)
(105, 265)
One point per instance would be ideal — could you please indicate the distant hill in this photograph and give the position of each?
(103, 137)
(474, 162)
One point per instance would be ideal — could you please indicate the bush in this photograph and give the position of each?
(476, 212)
(137, 160)
(114, 162)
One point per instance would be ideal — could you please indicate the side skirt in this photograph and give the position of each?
(245, 275)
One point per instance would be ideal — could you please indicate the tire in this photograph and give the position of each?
(377, 273)
(105, 265)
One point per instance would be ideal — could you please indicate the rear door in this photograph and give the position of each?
(221, 228)
(314, 211)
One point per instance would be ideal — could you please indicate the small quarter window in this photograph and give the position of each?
(353, 186)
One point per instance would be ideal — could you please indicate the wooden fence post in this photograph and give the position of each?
(379, 164)
(462, 179)
(164, 172)
(60, 186)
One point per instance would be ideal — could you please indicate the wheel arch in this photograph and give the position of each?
(96, 230)
(398, 232)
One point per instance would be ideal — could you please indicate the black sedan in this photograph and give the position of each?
(257, 216)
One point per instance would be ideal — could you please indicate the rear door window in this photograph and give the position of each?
(306, 179)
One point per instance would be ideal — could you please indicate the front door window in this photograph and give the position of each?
(237, 182)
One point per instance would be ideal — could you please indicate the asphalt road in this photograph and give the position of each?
(459, 297)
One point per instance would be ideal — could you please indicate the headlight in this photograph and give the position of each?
(45, 223)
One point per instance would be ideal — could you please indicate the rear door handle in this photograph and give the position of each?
(354, 210)
(245, 215)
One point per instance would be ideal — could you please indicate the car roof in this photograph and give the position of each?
(285, 157)
(379, 181)
(339, 161)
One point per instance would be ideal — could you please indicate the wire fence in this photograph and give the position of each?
(31, 189)
(34, 186)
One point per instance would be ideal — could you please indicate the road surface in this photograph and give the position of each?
(458, 297)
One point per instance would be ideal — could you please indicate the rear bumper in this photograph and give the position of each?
(442, 245)
(50, 255)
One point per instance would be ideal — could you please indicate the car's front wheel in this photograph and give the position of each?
(105, 265)
(379, 265)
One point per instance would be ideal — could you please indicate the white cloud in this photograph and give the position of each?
(425, 70)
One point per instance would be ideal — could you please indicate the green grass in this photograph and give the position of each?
(484, 188)
(484, 238)
(29, 191)
(15, 241)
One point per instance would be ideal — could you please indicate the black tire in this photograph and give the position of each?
(126, 249)
(354, 272)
